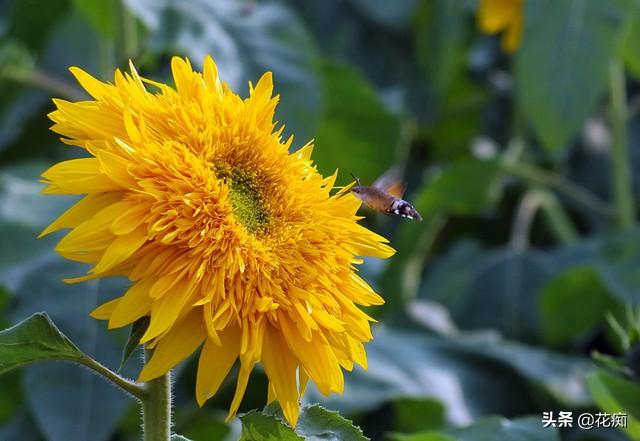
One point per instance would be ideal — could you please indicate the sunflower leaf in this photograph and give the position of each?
(314, 424)
(35, 339)
(258, 426)
(138, 329)
(317, 423)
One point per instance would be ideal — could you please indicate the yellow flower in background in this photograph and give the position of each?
(229, 241)
(502, 16)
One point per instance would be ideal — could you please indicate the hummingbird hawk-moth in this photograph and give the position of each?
(385, 196)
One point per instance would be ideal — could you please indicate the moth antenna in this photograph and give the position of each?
(356, 179)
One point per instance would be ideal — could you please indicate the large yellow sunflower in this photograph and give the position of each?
(229, 241)
(502, 15)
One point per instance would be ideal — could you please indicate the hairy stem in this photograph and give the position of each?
(128, 386)
(156, 409)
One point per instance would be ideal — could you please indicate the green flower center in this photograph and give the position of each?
(249, 206)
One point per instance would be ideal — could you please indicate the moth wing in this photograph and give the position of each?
(397, 189)
(391, 183)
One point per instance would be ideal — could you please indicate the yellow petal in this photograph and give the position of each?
(130, 219)
(241, 386)
(494, 15)
(215, 363)
(121, 249)
(316, 357)
(280, 366)
(93, 86)
(82, 211)
(134, 304)
(77, 176)
(104, 311)
(513, 34)
(271, 393)
(165, 311)
(175, 346)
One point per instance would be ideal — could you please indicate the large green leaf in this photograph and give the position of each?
(35, 339)
(562, 66)
(491, 429)
(356, 133)
(245, 42)
(615, 394)
(572, 304)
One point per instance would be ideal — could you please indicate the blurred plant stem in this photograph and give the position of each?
(44, 81)
(556, 217)
(622, 185)
(156, 409)
(130, 41)
(552, 180)
(107, 50)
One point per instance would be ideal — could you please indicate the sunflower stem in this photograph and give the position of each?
(156, 409)
(126, 385)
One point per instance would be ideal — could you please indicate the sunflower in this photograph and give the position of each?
(230, 242)
(502, 15)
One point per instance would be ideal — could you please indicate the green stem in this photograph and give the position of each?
(557, 218)
(555, 181)
(622, 185)
(130, 32)
(156, 409)
(128, 386)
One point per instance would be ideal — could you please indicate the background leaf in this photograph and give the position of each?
(572, 304)
(495, 429)
(557, 89)
(356, 133)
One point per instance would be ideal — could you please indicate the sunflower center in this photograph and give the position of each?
(247, 201)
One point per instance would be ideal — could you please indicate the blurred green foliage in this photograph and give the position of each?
(495, 302)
